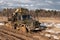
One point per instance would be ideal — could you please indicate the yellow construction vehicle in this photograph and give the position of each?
(24, 22)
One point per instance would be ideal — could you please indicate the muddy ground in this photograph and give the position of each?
(51, 33)
(11, 34)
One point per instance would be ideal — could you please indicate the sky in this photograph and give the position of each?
(31, 4)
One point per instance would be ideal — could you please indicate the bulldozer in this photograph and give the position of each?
(24, 22)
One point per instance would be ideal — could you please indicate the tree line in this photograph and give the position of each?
(35, 13)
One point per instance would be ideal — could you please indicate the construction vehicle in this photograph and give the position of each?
(23, 21)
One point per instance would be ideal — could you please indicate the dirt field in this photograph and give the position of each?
(10, 34)
(51, 33)
(55, 20)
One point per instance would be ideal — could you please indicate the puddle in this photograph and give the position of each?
(51, 24)
(1, 24)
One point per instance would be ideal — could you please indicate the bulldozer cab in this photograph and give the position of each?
(26, 17)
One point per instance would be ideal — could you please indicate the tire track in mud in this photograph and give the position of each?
(7, 37)
(10, 36)
(22, 37)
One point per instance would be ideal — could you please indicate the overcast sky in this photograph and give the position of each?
(31, 4)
